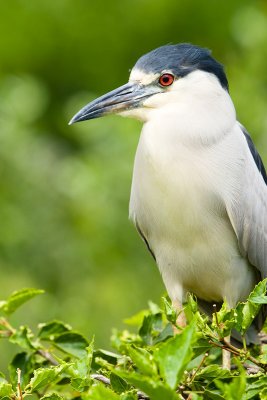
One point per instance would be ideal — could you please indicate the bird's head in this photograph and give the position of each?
(159, 78)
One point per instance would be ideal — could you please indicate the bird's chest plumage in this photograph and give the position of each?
(176, 203)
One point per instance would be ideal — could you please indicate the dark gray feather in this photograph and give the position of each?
(144, 239)
(255, 154)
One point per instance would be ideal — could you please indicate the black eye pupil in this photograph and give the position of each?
(166, 79)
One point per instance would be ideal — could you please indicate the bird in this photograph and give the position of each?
(199, 187)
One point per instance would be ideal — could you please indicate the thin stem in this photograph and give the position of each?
(244, 343)
(5, 333)
(20, 396)
(101, 378)
(216, 316)
(45, 354)
(229, 347)
(247, 355)
(221, 346)
(198, 368)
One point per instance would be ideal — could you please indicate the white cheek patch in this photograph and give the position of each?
(169, 96)
(142, 77)
(136, 113)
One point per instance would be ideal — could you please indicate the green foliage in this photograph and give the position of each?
(59, 363)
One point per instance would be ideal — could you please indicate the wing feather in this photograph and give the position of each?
(248, 210)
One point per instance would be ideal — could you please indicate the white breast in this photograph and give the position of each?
(177, 199)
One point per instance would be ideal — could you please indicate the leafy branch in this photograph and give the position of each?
(150, 363)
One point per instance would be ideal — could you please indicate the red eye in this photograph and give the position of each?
(166, 79)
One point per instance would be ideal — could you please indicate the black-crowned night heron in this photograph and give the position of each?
(199, 194)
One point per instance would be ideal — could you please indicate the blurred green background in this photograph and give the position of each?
(64, 190)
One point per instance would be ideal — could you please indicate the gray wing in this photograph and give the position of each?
(248, 209)
(255, 154)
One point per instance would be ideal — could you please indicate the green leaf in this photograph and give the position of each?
(120, 339)
(151, 327)
(52, 396)
(259, 299)
(212, 395)
(154, 388)
(174, 354)
(80, 370)
(118, 384)
(263, 394)
(195, 396)
(51, 330)
(24, 362)
(256, 388)
(143, 360)
(154, 308)
(165, 334)
(257, 296)
(136, 319)
(235, 389)
(6, 390)
(145, 330)
(191, 303)
(24, 338)
(201, 346)
(101, 392)
(192, 313)
(72, 343)
(213, 372)
(169, 311)
(80, 384)
(18, 298)
(224, 320)
(247, 311)
(128, 396)
(110, 357)
(44, 376)
(81, 367)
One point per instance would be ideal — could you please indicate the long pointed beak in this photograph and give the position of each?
(128, 96)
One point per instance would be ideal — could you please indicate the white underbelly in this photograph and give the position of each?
(185, 223)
